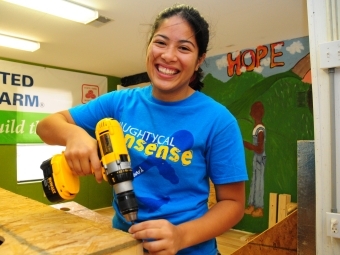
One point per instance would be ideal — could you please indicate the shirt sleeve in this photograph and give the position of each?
(226, 153)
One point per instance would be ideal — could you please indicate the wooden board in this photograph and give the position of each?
(31, 227)
(284, 200)
(272, 209)
(281, 239)
(81, 211)
(212, 195)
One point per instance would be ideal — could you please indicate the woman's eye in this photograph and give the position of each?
(184, 48)
(160, 42)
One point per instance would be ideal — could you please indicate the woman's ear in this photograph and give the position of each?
(200, 61)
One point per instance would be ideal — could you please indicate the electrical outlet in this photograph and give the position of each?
(333, 224)
(330, 54)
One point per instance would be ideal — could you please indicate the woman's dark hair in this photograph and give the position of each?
(198, 25)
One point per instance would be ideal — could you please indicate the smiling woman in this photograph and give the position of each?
(177, 137)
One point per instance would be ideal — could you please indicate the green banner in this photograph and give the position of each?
(19, 127)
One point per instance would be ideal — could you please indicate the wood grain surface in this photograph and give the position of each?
(31, 227)
(281, 239)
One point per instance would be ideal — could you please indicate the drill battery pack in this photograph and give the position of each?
(59, 183)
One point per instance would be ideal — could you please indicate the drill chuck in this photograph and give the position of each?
(119, 175)
(127, 205)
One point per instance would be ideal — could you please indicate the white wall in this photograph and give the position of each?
(320, 32)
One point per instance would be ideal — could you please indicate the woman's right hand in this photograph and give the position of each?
(81, 151)
(81, 154)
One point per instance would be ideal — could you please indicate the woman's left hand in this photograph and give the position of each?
(159, 237)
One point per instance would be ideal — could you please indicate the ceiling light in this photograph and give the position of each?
(18, 43)
(60, 8)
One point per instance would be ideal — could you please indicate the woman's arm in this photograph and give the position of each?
(81, 149)
(226, 213)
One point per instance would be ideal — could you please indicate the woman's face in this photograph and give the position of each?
(172, 58)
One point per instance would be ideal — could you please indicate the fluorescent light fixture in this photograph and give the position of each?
(18, 43)
(60, 8)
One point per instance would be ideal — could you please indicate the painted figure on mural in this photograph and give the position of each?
(256, 194)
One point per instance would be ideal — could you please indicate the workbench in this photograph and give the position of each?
(30, 227)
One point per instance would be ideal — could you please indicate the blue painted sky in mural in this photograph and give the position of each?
(292, 51)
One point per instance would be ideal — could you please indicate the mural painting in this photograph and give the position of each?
(268, 89)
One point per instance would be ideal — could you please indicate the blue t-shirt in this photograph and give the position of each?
(175, 147)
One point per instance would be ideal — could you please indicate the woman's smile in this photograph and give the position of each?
(167, 71)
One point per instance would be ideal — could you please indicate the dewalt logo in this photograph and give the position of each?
(51, 185)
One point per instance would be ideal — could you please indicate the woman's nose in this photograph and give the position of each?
(169, 54)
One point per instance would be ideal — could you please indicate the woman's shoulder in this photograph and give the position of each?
(211, 104)
(133, 90)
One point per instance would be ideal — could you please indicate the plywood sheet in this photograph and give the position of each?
(281, 239)
(81, 211)
(31, 227)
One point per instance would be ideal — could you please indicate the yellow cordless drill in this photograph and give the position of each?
(61, 184)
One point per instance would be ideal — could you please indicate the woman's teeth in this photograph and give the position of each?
(166, 70)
